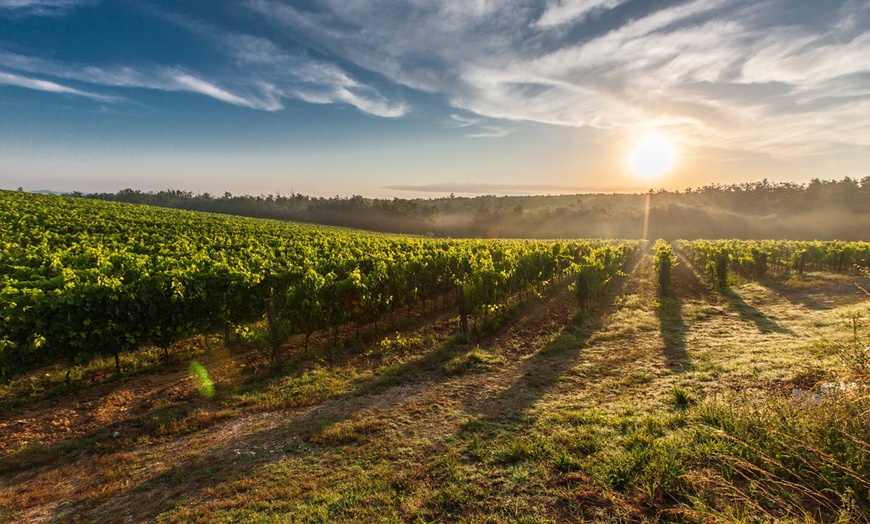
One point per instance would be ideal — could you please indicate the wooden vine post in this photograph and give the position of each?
(463, 312)
(273, 331)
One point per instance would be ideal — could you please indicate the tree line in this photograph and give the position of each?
(818, 210)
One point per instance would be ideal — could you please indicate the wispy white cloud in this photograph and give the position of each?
(490, 132)
(158, 78)
(805, 58)
(462, 121)
(371, 103)
(42, 7)
(261, 74)
(475, 188)
(744, 74)
(782, 77)
(51, 87)
(477, 127)
(560, 12)
(290, 74)
(187, 82)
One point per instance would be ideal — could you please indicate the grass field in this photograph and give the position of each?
(647, 409)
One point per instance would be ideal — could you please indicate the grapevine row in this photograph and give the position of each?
(80, 277)
(758, 259)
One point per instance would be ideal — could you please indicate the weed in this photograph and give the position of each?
(181, 419)
(565, 462)
(477, 360)
(348, 432)
(665, 470)
(476, 450)
(586, 441)
(792, 459)
(523, 448)
(619, 469)
(397, 345)
(681, 397)
(454, 496)
(305, 388)
(854, 351)
(562, 343)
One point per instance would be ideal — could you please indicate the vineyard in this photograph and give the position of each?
(757, 260)
(80, 278)
(278, 372)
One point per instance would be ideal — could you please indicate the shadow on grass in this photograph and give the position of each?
(690, 285)
(104, 380)
(672, 328)
(231, 459)
(823, 296)
(748, 313)
(219, 462)
(542, 370)
(673, 332)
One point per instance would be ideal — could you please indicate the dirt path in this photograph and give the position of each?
(58, 419)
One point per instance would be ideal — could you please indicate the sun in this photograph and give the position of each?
(652, 157)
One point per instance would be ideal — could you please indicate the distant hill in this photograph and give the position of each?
(819, 210)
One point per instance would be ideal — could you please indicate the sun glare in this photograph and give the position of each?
(652, 157)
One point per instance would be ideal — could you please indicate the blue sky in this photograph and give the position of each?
(423, 98)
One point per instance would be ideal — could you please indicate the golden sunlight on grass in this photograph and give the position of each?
(652, 157)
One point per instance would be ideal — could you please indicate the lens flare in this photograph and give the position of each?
(200, 377)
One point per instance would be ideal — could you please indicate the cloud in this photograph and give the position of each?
(562, 12)
(42, 7)
(490, 132)
(187, 82)
(256, 73)
(154, 77)
(478, 127)
(783, 77)
(481, 189)
(51, 87)
(289, 74)
(802, 59)
(462, 121)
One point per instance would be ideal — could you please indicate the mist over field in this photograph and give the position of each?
(820, 210)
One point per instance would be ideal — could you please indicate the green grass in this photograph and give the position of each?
(475, 361)
(682, 398)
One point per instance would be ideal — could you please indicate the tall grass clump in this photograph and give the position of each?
(681, 397)
(785, 459)
(853, 351)
(802, 458)
(664, 262)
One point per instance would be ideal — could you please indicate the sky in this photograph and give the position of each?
(423, 98)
